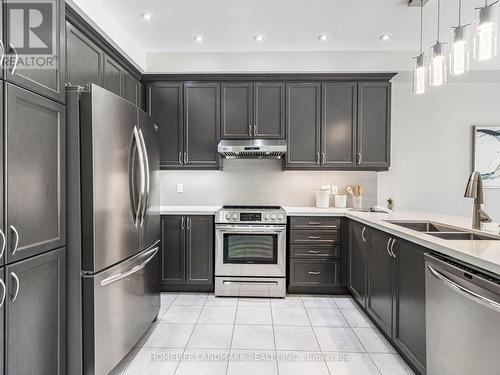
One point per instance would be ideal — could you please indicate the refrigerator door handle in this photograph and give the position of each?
(142, 175)
(148, 178)
(120, 276)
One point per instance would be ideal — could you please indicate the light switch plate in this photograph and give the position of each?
(180, 188)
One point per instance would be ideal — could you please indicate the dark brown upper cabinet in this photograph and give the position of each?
(374, 125)
(113, 76)
(338, 125)
(35, 174)
(84, 59)
(303, 104)
(269, 110)
(330, 122)
(201, 125)
(236, 105)
(253, 110)
(131, 88)
(50, 81)
(165, 104)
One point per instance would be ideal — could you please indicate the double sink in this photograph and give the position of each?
(443, 231)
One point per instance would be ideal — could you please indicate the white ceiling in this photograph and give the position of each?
(288, 25)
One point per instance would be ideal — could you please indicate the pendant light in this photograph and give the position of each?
(437, 62)
(459, 46)
(485, 37)
(420, 71)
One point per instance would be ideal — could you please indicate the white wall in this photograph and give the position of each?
(431, 146)
(258, 182)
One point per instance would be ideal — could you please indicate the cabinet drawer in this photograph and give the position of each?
(314, 272)
(314, 251)
(314, 237)
(314, 222)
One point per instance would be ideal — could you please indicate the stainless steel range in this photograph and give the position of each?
(250, 251)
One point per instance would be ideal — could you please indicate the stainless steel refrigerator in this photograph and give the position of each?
(113, 228)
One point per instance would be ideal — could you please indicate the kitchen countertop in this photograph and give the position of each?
(188, 210)
(482, 253)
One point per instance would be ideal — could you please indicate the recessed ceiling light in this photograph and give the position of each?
(385, 37)
(323, 37)
(258, 38)
(147, 16)
(199, 38)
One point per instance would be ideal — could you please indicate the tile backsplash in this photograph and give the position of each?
(259, 182)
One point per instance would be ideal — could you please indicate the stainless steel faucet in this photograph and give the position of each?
(474, 190)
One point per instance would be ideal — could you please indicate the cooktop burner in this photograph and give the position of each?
(249, 207)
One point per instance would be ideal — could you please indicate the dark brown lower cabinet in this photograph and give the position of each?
(359, 247)
(315, 255)
(2, 314)
(409, 302)
(187, 253)
(393, 272)
(380, 280)
(35, 315)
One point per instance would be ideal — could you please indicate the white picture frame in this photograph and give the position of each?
(486, 154)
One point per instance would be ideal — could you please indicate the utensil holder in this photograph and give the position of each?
(357, 201)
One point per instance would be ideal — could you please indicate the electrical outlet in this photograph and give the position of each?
(335, 190)
(180, 188)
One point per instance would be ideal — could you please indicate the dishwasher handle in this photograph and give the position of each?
(463, 290)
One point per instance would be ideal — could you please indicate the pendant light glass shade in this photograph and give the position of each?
(459, 51)
(485, 36)
(438, 70)
(419, 75)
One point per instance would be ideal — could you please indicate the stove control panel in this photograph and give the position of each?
(251, 216)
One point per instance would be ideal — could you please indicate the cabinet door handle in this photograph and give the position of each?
(16, 240)
(188, 223)
(255, 130)
(317, 158)
(180, 157)
(315, 223)
(3, 53)
(387, 247)
(392, 248)
(185, 158)
(315, 251)
(4, 292)
(4, 243)
(363, 234)
(16, 59)
(360, 158)
(314, 237)
(323, 158)
(16, 279)
(314, 272)
(250, 130)
(182, 223)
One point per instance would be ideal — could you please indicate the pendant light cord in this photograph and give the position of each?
(439, 18)
(421, 25)
(459, 13)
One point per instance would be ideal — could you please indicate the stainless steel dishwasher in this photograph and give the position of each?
(463, 319)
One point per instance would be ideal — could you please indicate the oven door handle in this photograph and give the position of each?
(250, 229)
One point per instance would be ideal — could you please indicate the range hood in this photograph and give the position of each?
(252, 148)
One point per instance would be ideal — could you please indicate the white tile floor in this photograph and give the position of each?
(199, 334)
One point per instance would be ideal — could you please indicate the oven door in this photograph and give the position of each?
(250, 250)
